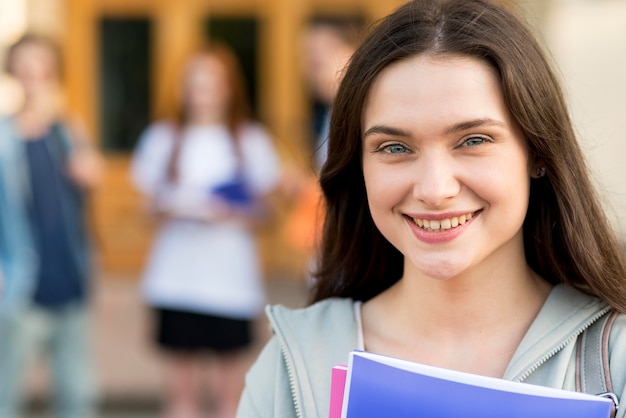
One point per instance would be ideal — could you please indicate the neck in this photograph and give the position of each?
(33, 120)
(473, 321)
(206, 118)
(464, 304)
(472, 324)
(483, 301)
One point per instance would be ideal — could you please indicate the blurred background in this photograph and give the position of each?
(120, 57)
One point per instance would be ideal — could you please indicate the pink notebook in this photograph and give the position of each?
(337, 386)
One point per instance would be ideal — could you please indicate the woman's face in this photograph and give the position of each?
(206, 89)
(446, 169)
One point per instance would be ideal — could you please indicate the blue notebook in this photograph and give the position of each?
(235, 192)
(381, 386)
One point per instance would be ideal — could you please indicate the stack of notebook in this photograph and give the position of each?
(372, 385)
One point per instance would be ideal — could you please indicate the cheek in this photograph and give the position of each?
(505, 185)
(372, 188)
(385, 189)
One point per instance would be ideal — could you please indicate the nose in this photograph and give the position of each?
(436, 179)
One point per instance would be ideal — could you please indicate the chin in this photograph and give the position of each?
(440, 271)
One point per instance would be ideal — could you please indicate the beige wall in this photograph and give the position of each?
(13, 21)
(588, 41)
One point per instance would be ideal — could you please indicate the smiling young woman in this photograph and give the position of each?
(458, 154)
(455, 234)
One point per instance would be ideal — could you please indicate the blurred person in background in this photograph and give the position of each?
(46, 165)
(207, 174)
(328, 42)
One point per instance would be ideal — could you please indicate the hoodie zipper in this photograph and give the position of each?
(561, 346)
(292, 384)
(290, 369)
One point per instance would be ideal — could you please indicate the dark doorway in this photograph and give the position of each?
(125, 96)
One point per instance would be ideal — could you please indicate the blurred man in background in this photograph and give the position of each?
(328, 43)
(45, 167)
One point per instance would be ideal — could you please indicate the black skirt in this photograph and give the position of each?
(190, 331)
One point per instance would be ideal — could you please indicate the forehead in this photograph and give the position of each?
(427, 87)
(437, 71)
(205, 64)
(35, 51)
(322, 42)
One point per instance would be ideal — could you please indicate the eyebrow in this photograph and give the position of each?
(458, 127)
(385, 130)
(475, 123)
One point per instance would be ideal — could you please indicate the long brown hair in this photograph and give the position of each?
(567, 237)
(238, 108)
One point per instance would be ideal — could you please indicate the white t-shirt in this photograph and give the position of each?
(203, 266)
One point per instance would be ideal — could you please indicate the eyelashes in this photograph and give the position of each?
(398, 148)
(394, 148)
(475, 140)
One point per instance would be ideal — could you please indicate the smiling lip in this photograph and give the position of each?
(442, 222)
(440, 228)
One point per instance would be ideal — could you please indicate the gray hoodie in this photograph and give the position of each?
(291, 377)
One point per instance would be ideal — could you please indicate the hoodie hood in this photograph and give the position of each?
(565, 314)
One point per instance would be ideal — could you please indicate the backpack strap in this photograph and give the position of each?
(592, 360)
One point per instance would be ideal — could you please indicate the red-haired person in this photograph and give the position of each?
(207, 172)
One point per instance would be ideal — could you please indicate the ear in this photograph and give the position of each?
(537, 169)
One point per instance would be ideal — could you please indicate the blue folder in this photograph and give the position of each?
(379, 386)
(235, 192)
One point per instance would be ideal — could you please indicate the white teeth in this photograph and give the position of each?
(443, 224)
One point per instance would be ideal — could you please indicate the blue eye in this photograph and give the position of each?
(473, 141)
(394, 149)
